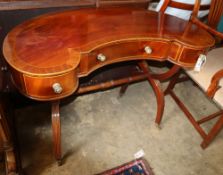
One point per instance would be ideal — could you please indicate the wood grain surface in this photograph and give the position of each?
(58, 43)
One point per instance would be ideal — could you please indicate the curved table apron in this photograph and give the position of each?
(49, 54)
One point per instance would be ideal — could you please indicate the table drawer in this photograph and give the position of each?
(189, 56)
(52, 87)
(128, 50)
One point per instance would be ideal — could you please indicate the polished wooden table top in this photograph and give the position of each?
(52, 43)
(48, 54)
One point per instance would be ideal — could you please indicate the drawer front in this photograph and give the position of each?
(189, 57)
(124, 51)
(51, 88)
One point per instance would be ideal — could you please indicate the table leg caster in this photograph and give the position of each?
(157, 90)
(59, 162)
(158, 126)
(204, 145)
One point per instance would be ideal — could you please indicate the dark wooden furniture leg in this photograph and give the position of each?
(160, 100)
(157, 90)
(123, 89)
(6, 145)
(56, 128)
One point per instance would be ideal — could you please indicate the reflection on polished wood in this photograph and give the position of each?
(50, 47)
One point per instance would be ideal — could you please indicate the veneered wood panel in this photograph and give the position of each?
(48, 47)
(41, 87)
(189, 56)
(126, 50)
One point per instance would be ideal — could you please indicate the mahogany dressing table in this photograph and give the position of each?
(48, 55)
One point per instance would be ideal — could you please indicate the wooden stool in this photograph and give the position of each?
(208, 79)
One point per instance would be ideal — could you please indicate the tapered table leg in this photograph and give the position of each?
(157, 90)
(56, 128)
(6, 144)
(123, 89)
(10, 162)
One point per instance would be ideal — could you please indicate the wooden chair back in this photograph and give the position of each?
(215, 9)
(209, 77)
(215, 13)
(184, 6)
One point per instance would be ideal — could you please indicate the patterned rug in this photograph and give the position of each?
(136, 167)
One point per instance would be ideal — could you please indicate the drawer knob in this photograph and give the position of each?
(148, 50)
(101, 57)
(57, 88)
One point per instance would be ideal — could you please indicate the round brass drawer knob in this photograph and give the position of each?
(101, 57)
(148, 50)
(57, 88)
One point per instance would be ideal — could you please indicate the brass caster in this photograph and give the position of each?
(59, 162)
(157, 126)
(204, 145)
(120, 95)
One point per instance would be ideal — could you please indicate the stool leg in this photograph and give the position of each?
(56, 131)
(157, 90)
(213, 133)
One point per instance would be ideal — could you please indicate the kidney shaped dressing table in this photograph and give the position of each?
(48, 55)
